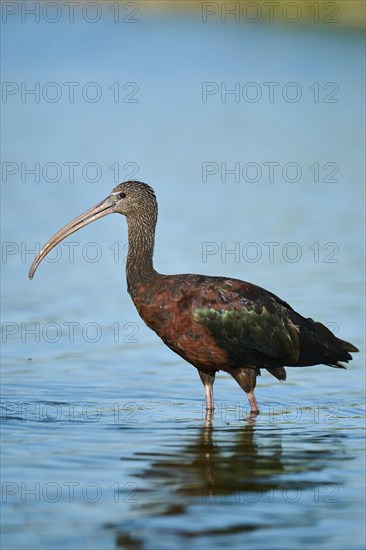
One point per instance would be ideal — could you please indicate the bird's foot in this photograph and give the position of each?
(209, 416)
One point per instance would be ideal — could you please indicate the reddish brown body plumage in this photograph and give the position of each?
(166, 305)
(214, 323)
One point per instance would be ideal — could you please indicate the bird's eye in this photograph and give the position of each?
(121, 195)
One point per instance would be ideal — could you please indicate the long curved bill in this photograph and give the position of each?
(94, 213)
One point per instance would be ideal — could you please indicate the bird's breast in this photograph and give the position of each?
(175, 324)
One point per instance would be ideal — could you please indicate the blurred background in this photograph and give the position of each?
(247, 118)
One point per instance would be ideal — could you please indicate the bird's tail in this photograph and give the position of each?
(347, 346)
(343, 346)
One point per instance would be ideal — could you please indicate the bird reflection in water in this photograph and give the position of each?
(238, 465)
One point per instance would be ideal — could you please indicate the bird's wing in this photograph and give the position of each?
(250, 323)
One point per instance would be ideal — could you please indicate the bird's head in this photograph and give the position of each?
(133, 199)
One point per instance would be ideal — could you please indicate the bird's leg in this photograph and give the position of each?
(254, 408)
(208, 382)
(247, 380)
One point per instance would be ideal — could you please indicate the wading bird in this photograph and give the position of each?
(214, 323)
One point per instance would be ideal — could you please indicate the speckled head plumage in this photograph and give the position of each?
(135, 199)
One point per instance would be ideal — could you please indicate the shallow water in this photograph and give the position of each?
(105, 442)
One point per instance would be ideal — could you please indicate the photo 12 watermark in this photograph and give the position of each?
(67, 171)
(51, 492)
(271, 11)
(278, 413)
(74, 413)
(70, 12)
(270, 252)
(269, 92)
(69, 251)
(269, 171)
(69, 332)
(290, 492)
(72, 92)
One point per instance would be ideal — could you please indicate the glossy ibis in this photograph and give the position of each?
(214, 323)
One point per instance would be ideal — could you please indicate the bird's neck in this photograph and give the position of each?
(141, 238)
